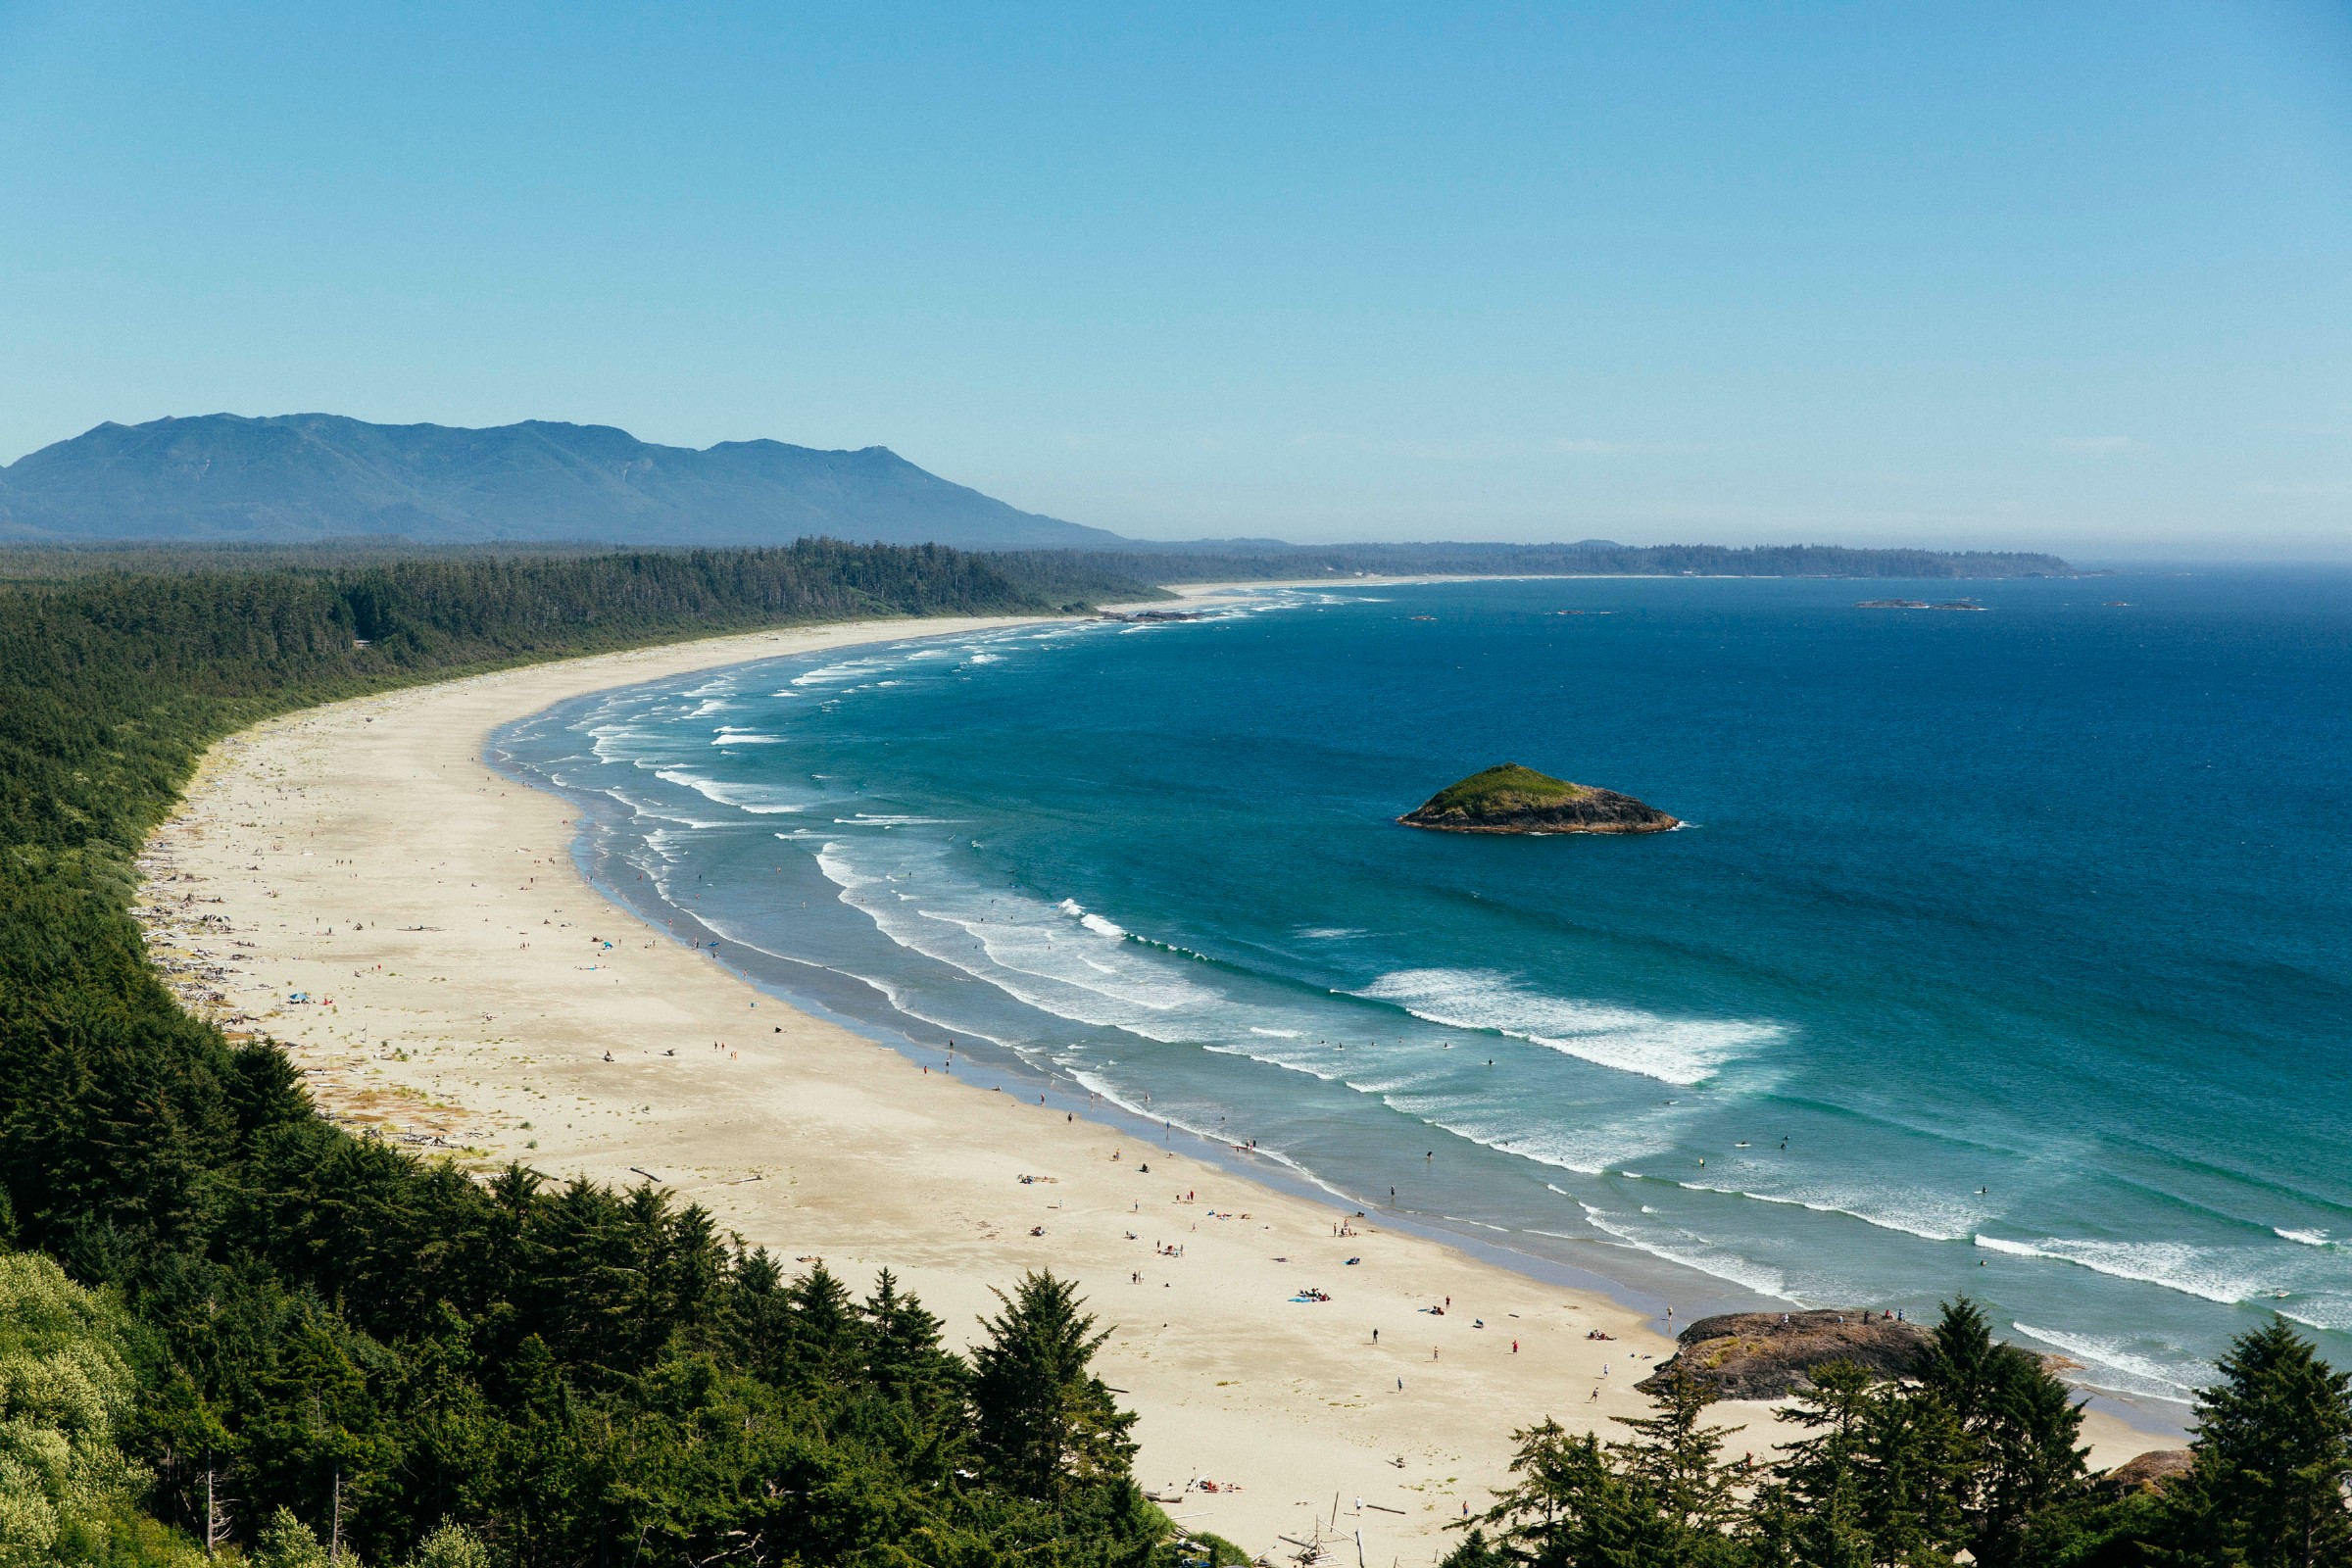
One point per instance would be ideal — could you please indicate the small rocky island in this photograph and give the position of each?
(1511, 798)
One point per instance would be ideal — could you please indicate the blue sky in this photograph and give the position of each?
(2072, 277)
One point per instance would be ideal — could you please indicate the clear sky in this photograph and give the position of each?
(2074, 276)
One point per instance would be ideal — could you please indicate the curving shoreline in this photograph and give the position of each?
(379, 814)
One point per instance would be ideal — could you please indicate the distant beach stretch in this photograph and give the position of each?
(463, 987)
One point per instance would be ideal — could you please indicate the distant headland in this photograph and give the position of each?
(1511, 798)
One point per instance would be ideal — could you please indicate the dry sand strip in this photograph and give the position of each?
(462, 996)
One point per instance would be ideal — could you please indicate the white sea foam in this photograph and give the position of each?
(835, 674)
(1586, 1150)
(745, 737)
(1675, 1051)
(759, 800)
(610, 742)
(1096, 1083)
(2306, 1237)
(1275, 1034)
(648, 809)
(1956, 1228)
(1039, 953)
(2332, 1314)
(1092, 922)
(2169, 1265)
(2137, 1373)
(1691, 1251)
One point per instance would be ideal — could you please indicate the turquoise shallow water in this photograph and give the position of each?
(2006, 953)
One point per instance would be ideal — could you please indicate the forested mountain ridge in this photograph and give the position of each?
(300, 477)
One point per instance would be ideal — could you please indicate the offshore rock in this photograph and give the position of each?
(1511, 798)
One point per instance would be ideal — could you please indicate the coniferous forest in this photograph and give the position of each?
(229, 1329)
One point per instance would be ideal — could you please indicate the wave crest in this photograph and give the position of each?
(1675, 1051)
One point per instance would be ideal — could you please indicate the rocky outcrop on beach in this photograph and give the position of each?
(2150, 1472)
(1511, 798)
(1766, 1356)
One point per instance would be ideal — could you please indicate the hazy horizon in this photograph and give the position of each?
(1980, 277)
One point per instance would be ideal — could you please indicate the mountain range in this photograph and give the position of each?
(287, 479)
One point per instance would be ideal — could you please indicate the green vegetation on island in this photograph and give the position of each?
(1511, 798)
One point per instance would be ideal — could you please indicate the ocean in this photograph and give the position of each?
(2006, 953)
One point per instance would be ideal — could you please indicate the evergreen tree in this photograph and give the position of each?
(1962, 1361)
(1663, 1500)
(1569, 1507)
(1881, 1479)
(1816, 1512)
(2029, 1458)
(320, 1437)
(904, 1360)
(1675, 1463)
(759, 1315)
(825, 1343)
(2273, 1447)
(1043, 1423)
(2020, 1426)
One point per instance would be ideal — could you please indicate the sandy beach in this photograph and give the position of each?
(468, 990)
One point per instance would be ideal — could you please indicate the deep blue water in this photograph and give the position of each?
(2006, 953)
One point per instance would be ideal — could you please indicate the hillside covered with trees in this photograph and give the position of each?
(268, 1334)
